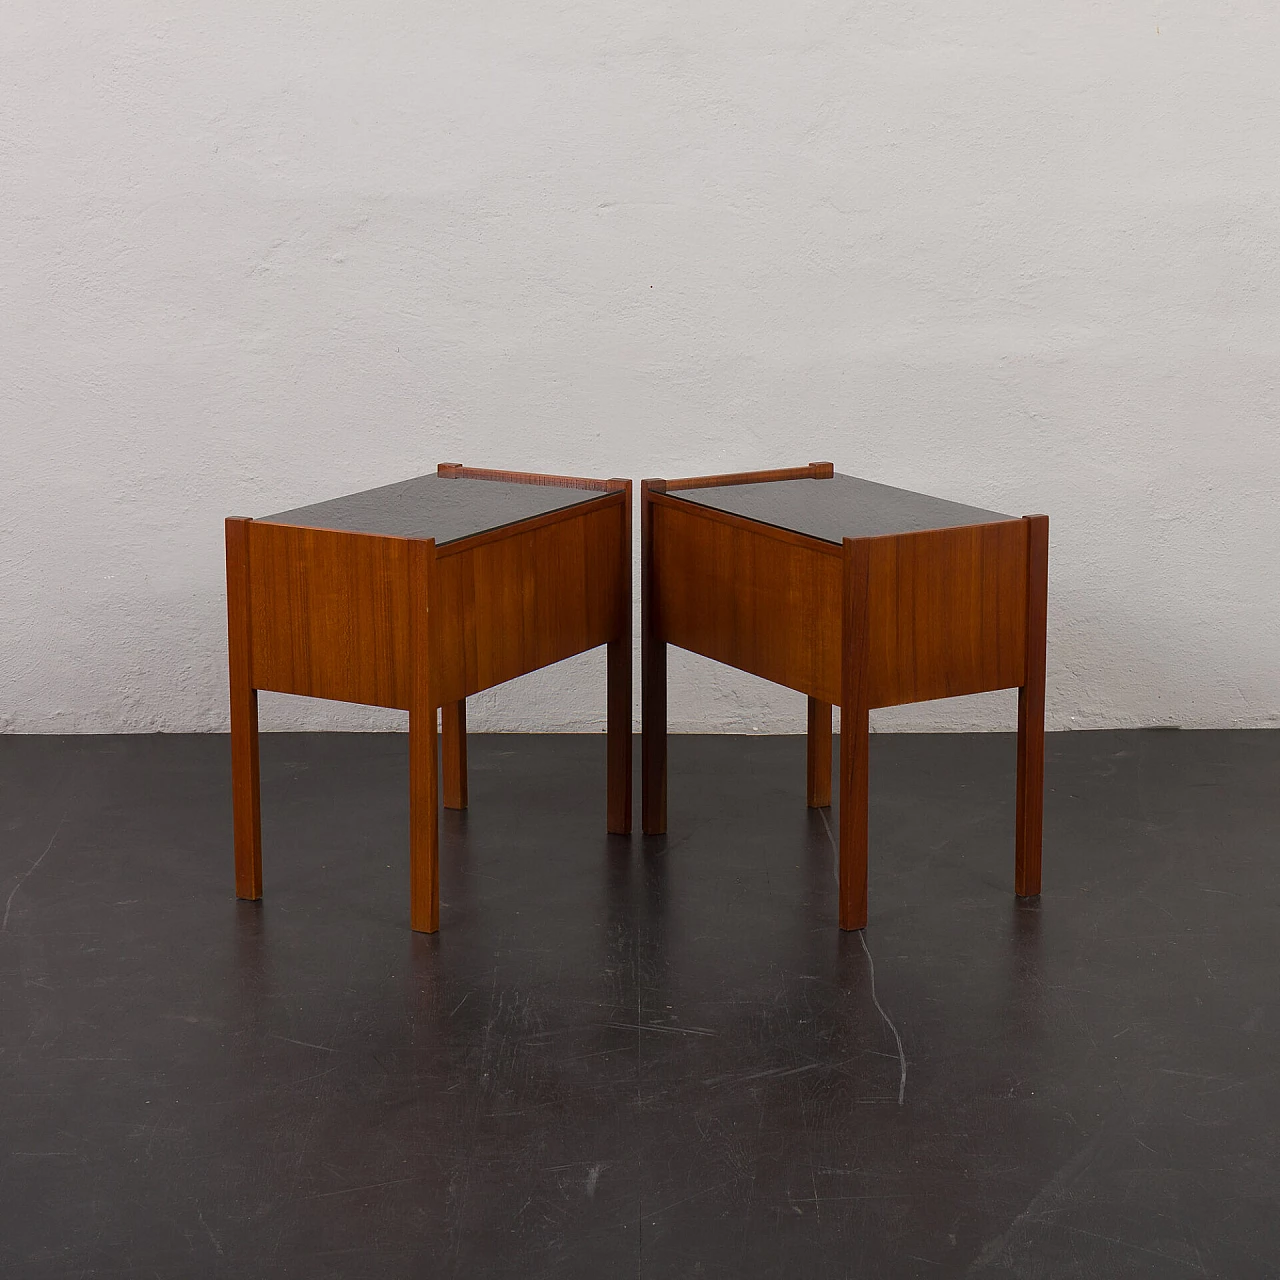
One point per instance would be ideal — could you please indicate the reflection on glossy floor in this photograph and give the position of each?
(640, 1058)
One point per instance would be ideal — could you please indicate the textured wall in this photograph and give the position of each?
(1017, 255)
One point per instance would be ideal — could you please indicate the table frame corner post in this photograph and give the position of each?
(855, 742)
(1030, 805)
(246, 802)
(618, 677)
(818, 755)
(818, 733)
(453, 753)
(653, 676)
(424, 799)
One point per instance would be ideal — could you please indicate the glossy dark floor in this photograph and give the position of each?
(628, 1058)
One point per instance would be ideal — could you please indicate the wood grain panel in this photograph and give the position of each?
(330, 614)
(530, 598)
(759, 599)
(947, 612)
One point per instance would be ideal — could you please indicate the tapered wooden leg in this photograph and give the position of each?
(653, 728)
(453, 732)
(424, 825)
(424, 818)
(245, 802)
(1030, 819)
(618, 675)
(819, 754)
(618, 669)
(653, 677)
(855, 739)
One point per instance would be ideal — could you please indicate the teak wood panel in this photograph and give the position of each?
(946, 612)
(531, 599)
(330, 610)
(760, 601)
(329, 614)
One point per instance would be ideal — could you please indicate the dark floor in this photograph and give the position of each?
(627, 1058)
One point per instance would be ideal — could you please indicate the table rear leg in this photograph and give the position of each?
(818, 754)
(855, 736)
(855, 745)
(654, 736)
(618, 674)
(1030, 813)
(653, 676)
(453, 725)
(424, 795)
(245, 784)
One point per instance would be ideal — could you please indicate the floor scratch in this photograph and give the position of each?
(650, 1026)
(1055, 1195)
(306, 1044)
(212, 1237)
(366, 1186)
(888, 1021)
(4, 925)
(871, 965)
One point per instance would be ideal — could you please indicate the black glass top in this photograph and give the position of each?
(838, 508)
(439, 507)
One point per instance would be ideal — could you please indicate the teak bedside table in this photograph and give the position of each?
(855, 594)
(414, 596)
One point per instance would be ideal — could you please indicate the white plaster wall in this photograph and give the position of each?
(1025, 256)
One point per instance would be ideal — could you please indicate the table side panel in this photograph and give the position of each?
(947, 612)
(531, 598)
(330, 614)
(763, 603)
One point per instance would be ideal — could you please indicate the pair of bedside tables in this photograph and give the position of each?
(418, 594)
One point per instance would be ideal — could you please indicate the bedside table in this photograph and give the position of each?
(855, 594)
(416, 595)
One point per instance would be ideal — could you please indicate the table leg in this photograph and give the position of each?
(618, 674)
(424, 798)
(1030, 813)
(453, 725)
(654, 736)
(855, 737)
(653, 677)
(818, 754)
(618, 669)
(424, 824)
(245, 782)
